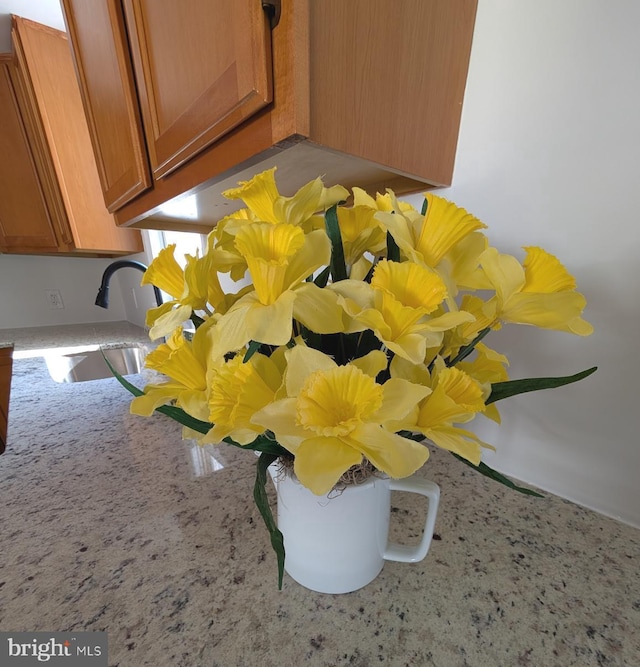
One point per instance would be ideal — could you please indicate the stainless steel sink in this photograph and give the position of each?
(89, 364)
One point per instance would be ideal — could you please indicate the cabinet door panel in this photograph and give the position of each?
(101, 53)
(202, 68)
(6, 362)
(24, 216)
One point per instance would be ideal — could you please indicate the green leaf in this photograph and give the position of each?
(254, 346)
(393, 251)
(261, 444)
(409, 435)
(125, 383)
(197, 321)
(501, 390)
(262, 503)
(489, 472)
(465, 351)
(184, 418)
(424, 207)
(323, 277)
(338, 266)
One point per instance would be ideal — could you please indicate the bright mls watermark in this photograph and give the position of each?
(68, 649)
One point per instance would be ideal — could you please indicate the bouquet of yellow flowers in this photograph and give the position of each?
(354, 333)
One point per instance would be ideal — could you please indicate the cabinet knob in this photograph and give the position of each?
(273, 8)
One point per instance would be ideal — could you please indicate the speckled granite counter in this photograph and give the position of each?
(35, 338)
(111, 522)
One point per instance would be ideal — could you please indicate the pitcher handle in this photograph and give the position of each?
(401, 552)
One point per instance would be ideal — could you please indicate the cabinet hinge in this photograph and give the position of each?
(273, 9)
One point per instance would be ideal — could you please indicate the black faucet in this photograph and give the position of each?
(102, 299)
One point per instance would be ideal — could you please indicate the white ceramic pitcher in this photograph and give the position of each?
(338, 543)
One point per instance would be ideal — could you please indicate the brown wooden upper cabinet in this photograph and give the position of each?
(6, 362)
(190, 97)
(50, 196)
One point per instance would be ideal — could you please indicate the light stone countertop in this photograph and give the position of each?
(111, 522)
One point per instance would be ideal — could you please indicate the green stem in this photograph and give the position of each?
(468, 349)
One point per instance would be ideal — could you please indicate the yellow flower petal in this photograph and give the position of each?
(548, 311)
(164, 272)
(318, 309)
(504, 272)
(410, 284)
(259, 194)
(271, 324)
(267, 250)
(167, 323)
(544, 273)
(320, 462)
(445, 224)
(400, 397)
(335, 402)
(280, 418)
(154, 313)
(230, 332)
(465, 260)
(194, 403)
(409, 346)
(154, 396)
(456, 397)
(237, 392)
(390, 453)
(372, 363)
(177, 360)
(303, 361)
(488, 365)
(315, 252)
(360, 233)
(457, 440)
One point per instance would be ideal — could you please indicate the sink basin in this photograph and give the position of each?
(88, 363)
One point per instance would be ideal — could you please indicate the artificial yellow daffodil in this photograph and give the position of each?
(540, 293)
(360, 233)
(334, 415)
(455, 398)
(462, 264)
(194, 288)
(426, 239)
(221, 244)
(260, 194)
(185, 364)
(407, 310)
(237, 391)
(398, 307)
(487, 367)
(280, 258)
(460, 336)
(386, 202)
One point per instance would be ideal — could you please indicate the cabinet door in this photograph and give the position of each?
(202, 67)
(24, 217)
(52, 97)
(103, 66)
(6, 362)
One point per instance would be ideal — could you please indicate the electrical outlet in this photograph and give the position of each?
(54, 298)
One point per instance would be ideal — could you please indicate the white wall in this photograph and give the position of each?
(549, 154)
(24, 279)
(135, 299)
(43, 11)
